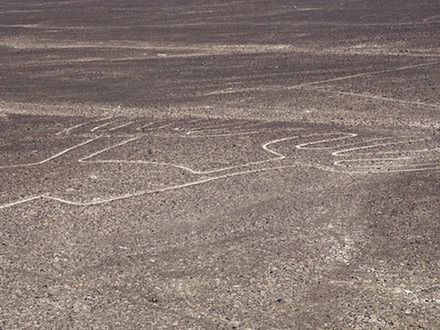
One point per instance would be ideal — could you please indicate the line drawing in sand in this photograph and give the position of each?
(332, 151)
(307, 85)
(69, 129)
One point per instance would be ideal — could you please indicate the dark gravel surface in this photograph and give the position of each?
(233, 164)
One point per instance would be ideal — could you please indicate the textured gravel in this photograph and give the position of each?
(235, 164)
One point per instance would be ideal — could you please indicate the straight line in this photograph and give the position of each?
(67, 130)
(54, 156)
(21, 201)
(121, 126)
(108, 148)
(374, 97)
(100, 126)
(319, 82)
(147, 125)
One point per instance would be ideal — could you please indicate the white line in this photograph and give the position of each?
(160, 127)
(170, 188)
(346, 136)
(21, 201)
(419, 151)
(366, 160)
(378, 160)
(402, 68)
(195, 183)
(121, 126)
(154, 128)
(68, 149)
(67, 130)
(219, 125)
(378, 98)
(52, 157)
(214, 128)
(149, 124)
(229, 127)
(101, 126)
(391, 168)
(265, 147)
(319, 82)
(426, 164)
(108, 148)
(219, 135)
(338, 153)
(403, 170)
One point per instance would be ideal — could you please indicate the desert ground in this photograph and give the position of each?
(200, 164)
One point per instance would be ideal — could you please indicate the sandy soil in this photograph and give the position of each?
(202, 164)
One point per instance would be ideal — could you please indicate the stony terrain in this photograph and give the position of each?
(202, 164)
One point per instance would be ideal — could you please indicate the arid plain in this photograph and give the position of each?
(219, 164)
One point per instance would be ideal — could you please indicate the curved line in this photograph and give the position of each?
(194, 183)
(347, 136)
(170, 188)
(277, 157)
(265, 146)
(337, 153)
(199, 182)
(52, 157)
